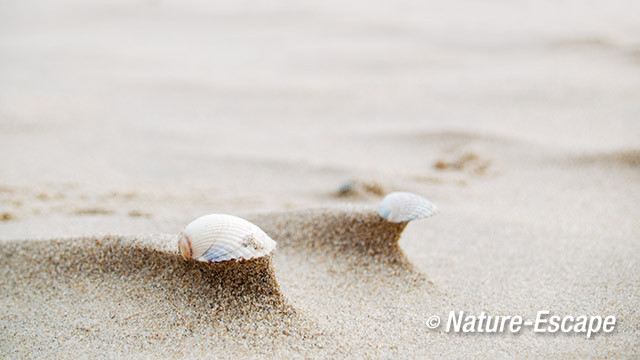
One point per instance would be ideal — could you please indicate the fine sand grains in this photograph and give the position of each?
(129, 295)
(120, 296)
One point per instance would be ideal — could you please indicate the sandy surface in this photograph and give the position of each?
(120, 122)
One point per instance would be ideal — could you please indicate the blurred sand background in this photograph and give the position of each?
(519, 119)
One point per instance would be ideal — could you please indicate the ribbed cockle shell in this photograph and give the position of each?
(404, 207)
(220, 237)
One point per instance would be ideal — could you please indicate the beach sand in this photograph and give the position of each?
(122, 122)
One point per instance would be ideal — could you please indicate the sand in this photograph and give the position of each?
(122, 122)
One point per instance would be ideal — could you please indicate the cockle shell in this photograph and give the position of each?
(220, 237)
(403, 207)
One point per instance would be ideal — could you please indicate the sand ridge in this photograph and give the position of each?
(177, 300)
(128, 294)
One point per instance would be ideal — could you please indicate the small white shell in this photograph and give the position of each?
(220, 237)
(404, 207)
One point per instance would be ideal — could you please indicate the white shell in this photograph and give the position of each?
(404, 207)
(220, 237)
